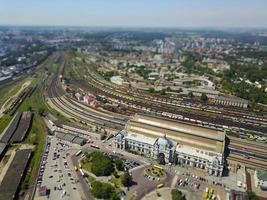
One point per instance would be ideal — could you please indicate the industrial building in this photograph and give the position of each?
(10, 184)
(71, 138)
(174, 142)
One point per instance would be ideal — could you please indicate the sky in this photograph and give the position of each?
(135, 13)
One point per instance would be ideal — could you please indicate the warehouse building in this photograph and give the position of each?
(174, 142)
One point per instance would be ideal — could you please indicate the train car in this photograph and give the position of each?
(78, 153)
(82, 173)
(160, 186)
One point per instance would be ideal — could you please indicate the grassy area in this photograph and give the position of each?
(57, 114)
(116, 180)
(9, 90)
(87, 166)
(4, 121)
(90, 179)
(5, 159)
(37, 138)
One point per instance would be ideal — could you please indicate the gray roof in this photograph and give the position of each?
(70, 137)
(10, 130)
(262, 174)
(23, 127)
(78, 140)
(231, 99)
(12, 178)
(60, 135)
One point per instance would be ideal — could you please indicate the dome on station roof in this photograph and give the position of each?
(164, 142)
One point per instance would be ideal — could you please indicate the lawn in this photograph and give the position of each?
(5, 159)
(4, 121)
(116, 181)
(90, 179)
(87, 166)
(9, 90)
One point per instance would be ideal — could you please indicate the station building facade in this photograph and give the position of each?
(174, 142)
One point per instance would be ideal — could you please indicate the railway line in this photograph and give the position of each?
(258, 148)
(248, 162)
(216, 121)
(251, 154)
(77, 113)
(213, 109)
(103, 112)
(108, 90)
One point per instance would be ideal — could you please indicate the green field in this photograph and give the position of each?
(9, 90)
(4, 121)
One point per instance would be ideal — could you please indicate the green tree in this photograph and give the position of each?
(103, 190)
(119, 164)
(126, 179)
(41, 111)
(180, 90)
(151, 90)
(163, 92)
(252, 195)
(177, 195)
(204, 97)
(102, 165)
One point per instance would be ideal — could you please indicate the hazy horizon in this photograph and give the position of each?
(138, 13)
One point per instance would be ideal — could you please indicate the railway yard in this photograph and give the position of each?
(236, 123)
(112, 108)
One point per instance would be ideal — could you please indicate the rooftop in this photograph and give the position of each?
(182, 133)
(262, 174)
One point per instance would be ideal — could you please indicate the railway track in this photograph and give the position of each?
(248, 162)
(227, 113)
(77, 113)
(158, 107)
(98, 87)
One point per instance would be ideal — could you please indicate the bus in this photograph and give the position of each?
(78, 153)
(76, 168)
(82, 173)
(80, 166)
(94, 146)
(158, 167)
(160, 185)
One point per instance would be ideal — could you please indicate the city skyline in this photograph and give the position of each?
(139, 13)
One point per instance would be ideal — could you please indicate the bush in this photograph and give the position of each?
(252, 195)
(126, 179)
(204, 97)
(103, 191)
(176, 195)
(119, 164)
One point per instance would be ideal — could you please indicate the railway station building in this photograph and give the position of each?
(174, 142)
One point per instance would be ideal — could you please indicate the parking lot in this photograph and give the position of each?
(196, 185)
(55, 173)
